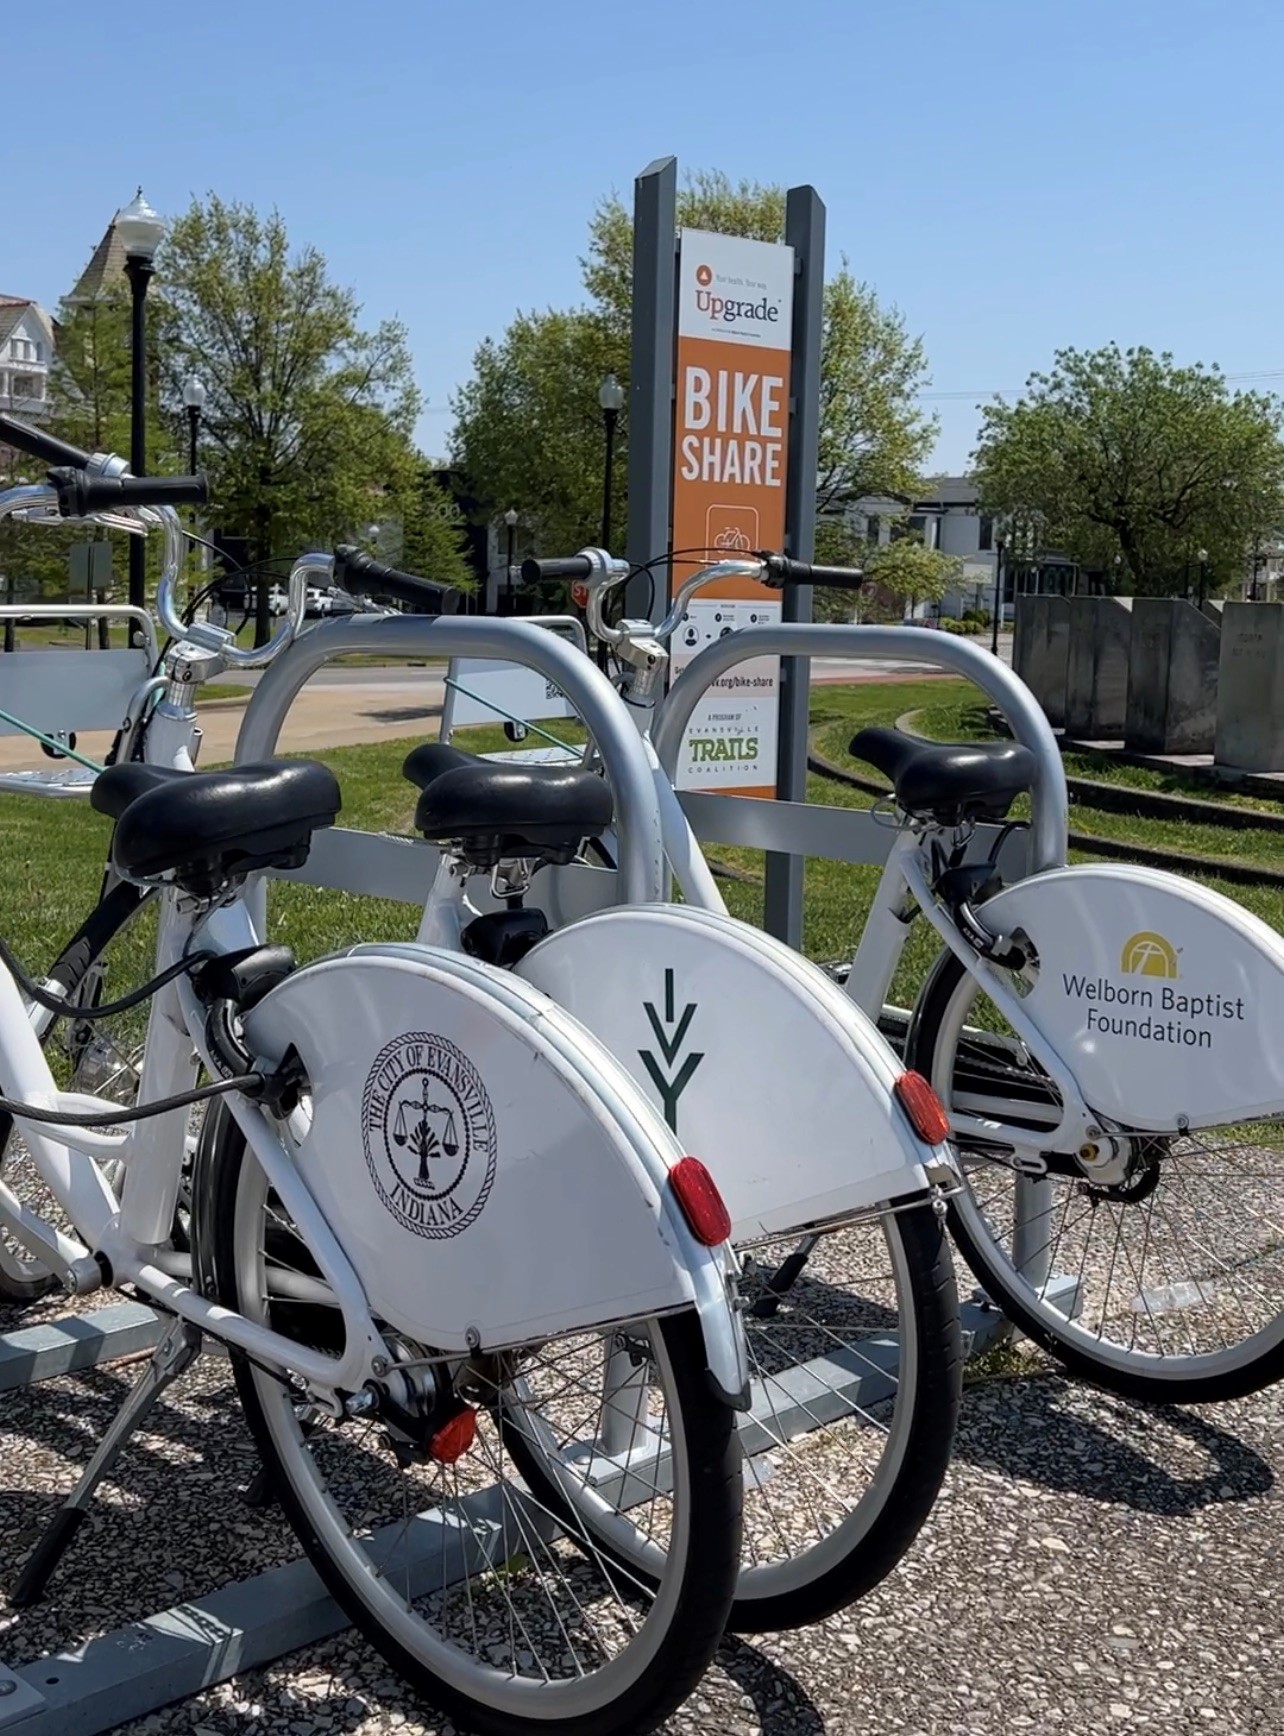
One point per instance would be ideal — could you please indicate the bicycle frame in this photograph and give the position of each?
(126, 1232)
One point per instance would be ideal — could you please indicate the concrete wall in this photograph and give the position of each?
(1172, 678)
(1040, 651)
(1097, 667)
(1250, 688)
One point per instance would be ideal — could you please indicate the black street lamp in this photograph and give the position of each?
(141, 231)
(510, 521)
(611, 397)
(1201, 555)
(998, 596)
(194, 403)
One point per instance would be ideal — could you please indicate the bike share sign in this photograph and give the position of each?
(735, 309)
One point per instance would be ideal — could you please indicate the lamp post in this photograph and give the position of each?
(998, 596)
(611, 397)
(510, 522)
(1201, 555)
(141, 231)
(194, 403)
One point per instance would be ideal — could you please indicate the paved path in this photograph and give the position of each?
(1092, 1567)
(347, 705)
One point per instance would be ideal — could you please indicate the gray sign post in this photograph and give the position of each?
(805, 233)
(650, 461)
(655, 230)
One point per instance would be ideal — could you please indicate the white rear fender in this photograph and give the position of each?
(760, 1064)
(1163, 999)
(492, 1173)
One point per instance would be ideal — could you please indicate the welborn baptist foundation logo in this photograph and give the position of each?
(428, 1131)
(1149, 955)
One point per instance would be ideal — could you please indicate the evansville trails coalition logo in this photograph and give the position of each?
(428, 1132)
(1153, 1015)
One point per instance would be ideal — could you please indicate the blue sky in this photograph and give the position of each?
(1014, 174)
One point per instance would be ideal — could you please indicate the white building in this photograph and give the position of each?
(947, 516)
(26, 351)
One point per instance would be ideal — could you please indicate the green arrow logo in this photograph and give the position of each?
(670, 1033)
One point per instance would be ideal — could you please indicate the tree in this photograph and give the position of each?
(1124, 453)
(528, 429)
(431, 531)
(906, 569)
(308, 417)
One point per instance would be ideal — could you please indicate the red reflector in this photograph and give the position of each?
(702, 1204)
(924, 1108)
(454, 1438)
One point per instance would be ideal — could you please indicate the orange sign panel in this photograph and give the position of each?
(731, 432)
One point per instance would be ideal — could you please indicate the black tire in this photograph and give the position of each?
(907, 1489)
(1163, 1379)
(699, 1617)
(67, 973)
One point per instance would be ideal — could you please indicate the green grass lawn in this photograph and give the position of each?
(54, 851)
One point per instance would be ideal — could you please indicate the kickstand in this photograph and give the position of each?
(176, 1351)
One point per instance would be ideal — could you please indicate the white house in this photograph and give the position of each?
(26, 350)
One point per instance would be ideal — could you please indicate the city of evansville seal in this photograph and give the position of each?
(428, 1131)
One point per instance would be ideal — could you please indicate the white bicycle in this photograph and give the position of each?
(829, 1157)
(1105, 1038)
(379, 1231)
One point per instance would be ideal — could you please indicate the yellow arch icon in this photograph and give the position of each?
(1149, 955)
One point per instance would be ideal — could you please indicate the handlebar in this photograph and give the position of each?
(362, 576)
(603, 574)
(105, 493)
(37, 444)
(779, 570)
(81, 494)
(569, 567)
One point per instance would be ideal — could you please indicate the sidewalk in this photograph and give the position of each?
(320, 717)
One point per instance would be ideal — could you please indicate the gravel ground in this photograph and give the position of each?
(1091, 1566)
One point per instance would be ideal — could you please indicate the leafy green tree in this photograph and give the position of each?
(908, 570)
(528, 429)
(308, 417)
(1123, 453)
(431, 541)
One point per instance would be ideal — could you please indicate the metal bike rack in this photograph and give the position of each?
(783, 826)
(144, 1665)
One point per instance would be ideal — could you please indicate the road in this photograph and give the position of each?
(345, 705)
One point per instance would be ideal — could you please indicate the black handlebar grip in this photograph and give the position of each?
(570, 567)
(37, 444)
(837, 578)
(364, 576)
(79, 494)
(787, 572)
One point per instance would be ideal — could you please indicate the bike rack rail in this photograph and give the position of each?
(144, 1665)
(776, 825)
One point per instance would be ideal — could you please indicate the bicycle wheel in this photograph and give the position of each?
(1168, 1286)
(457, 1576)
(113, 951)
(856, 1367)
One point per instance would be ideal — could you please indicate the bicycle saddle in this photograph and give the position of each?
(490, 811)
(207, 828)
(948, 782)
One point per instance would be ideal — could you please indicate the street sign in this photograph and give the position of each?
(90, 570)
(580, 593)
(735, 310)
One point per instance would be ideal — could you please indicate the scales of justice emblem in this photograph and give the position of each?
(428, 1132)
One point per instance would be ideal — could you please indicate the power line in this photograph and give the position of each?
(1016, 391)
